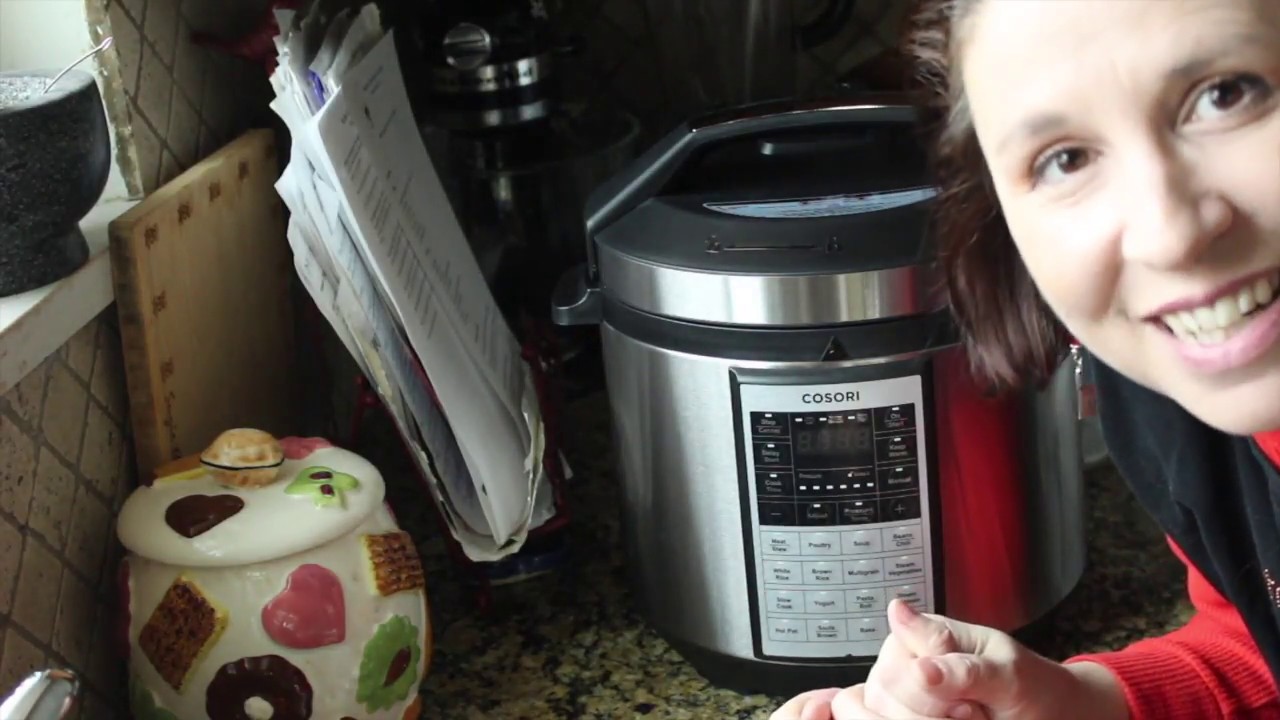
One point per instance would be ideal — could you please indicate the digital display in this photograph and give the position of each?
(827, 439)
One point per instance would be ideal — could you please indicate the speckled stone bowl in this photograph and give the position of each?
(55, 156)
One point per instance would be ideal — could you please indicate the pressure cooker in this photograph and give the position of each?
(800, 438)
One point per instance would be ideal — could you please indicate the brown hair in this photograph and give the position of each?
(1013, 338)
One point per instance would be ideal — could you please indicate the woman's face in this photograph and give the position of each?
(1135, 150)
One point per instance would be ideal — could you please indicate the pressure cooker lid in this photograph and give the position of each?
(775, 214)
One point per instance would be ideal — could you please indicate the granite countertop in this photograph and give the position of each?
(570, 645)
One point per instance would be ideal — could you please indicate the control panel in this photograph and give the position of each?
(838, 501)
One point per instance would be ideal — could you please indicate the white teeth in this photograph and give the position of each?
(1208, 324)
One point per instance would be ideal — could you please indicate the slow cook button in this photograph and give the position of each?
(820, 543)
(785, 601)
(860, 542)
(821, 573)
(782, 572)
(863, 571)
(901, 538)
(824, 602)
(868, 629)
(864, 600)
(784, 630)
(827, 630)
(780, 543)
(903, 567)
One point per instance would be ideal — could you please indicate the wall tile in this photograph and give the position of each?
(189, 66)
(17, 472)
(100, 457)
(73, 626)
(26, 399)
(147, 145)
(108, 384)
(184, 131)
(63, 422)
(18, 659)
(80, 350)
(91, 523)
(137, 9)
(10, 562)
(52, 499)
(155, 88)
(127, 40)
(35, 603)
(161, 28)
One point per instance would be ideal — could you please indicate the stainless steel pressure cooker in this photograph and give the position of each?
(799, 437)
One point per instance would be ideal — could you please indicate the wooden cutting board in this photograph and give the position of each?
(202, 271)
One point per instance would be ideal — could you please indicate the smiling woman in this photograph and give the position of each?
(1120, 188)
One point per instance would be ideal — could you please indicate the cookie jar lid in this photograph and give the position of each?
(250, 498)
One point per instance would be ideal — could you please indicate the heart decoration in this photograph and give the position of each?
(198, 514)
(310, 612)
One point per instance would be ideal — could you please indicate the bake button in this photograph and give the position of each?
(868, 629)
(821, 573)
(902, 538)
(863, 571)
(827, 630)
(820, 543)
(824, 602)
(787, 630)
(914, 594)
(906, 507)
(783, 572)
(816, 514)
(780, 543)
(864, 600)
(860, 542)
(778, 514)
(904, 567)
(772, 453)
(784, 601)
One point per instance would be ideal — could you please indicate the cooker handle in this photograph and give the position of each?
(651, 172)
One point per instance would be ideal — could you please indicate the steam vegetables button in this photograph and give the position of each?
(863, 571)
(864, 600)
(824, 602)
(785, 601)
(860, 542)
(901, 538)
(780, 543)
(821, 573)
(820, 543)
(828, 630)
(906, 566)
(783, 572)
(865, 629)
(786, 630)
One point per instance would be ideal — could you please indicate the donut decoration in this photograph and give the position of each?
(325, 486)
(389, 666)
(265, 687)
(244, 458)
(310, 611)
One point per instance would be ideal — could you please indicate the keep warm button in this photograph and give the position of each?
(906, 566)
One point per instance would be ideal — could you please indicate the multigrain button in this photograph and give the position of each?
(863, 571)
(904, 537)
(903, 567)
(868, 629)
(786, 630)
(783, 572)
(860, 542)
(821, 573)
(820, 543)
(864, 600)
(785, 601)
(780, 543)
(828, 630)
(824, 602)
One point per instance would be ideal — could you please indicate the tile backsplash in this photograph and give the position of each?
(65, 468)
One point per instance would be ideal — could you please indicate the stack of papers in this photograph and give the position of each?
(377, 245)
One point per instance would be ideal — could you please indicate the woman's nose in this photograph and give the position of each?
(1171, 219)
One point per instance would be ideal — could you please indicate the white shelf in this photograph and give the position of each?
(36, 323)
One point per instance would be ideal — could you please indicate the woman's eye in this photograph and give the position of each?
(1227, 94)
(1064, 161)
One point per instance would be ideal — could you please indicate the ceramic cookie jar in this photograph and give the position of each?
(268, 579)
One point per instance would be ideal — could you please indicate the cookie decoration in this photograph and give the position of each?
(258, 688)
(195, 515)
(389, 668)
(393, 563)
(298, 448)
(324, 485)
(180, 631)
(310, 612)
(244, 458)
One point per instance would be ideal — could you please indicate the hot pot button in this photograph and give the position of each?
(827, 630)
(821, 573)
(868, 629)
(864, 600)
(903, 567)
(863, 571)
(784, 630)
(783, 572)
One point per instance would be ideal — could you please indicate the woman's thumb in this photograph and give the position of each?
(922, 635)
(960, 676)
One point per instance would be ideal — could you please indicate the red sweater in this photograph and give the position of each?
(1210, 669)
